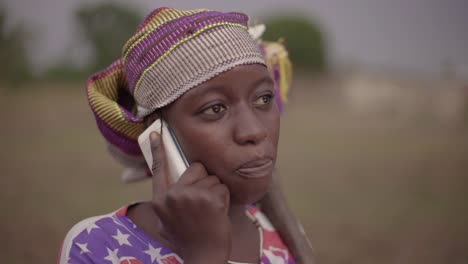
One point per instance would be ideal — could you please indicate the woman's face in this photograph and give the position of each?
(230, 124)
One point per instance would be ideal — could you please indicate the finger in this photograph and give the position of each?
(195, 172)
(159, 208)
(159, 167)
(221, 191)
(207, 183)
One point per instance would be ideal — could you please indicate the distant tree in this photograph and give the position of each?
(14, 66)
(304, 40)
(107, 26)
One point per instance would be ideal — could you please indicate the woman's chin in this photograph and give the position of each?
(250, 191)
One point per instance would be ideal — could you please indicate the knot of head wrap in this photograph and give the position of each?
(172, 52)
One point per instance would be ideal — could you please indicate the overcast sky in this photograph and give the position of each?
(417, 35)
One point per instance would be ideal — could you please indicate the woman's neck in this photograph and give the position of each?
(245, 236)
(236, 210)
(238, 217)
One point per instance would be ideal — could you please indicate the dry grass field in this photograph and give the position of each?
(367, 189)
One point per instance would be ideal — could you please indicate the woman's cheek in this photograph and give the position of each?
(201, 149)
(216, 159)
(274, 127)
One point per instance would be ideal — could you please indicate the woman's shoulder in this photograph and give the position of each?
(109, 238)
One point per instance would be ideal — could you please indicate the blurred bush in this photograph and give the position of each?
(304, 40)
(66, 71)
(15, 68)
(107, 27)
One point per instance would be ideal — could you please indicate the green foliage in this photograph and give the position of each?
(14, 66)
(304, 40)
(107, 27)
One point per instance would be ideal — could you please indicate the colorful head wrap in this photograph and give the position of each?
(171, 52)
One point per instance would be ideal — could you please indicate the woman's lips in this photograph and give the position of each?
(256, 168)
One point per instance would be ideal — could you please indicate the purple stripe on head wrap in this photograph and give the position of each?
(160, 41)
(122, 142)
(165, 39)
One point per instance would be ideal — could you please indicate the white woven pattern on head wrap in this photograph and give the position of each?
(194, 62)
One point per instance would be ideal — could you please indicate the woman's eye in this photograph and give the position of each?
(215, 109)
(264, 99)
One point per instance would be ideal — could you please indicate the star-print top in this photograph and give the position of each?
(114, 238)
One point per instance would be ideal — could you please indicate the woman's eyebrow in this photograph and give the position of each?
(193, 96)
(200, 91)
(265, 79)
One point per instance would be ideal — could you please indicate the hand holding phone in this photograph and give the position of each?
(194, 210)
(176, 160)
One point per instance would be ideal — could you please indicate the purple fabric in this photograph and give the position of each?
(116, 240)
(122, 142)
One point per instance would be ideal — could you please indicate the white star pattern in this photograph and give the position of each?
(112, 256)
(91, 227)
(83, 247)
(121, 238)
(155, 253)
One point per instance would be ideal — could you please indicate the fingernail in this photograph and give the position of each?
(154, 136)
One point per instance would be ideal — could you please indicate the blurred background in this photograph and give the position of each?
(374, 142)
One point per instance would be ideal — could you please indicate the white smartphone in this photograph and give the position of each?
(176, 160)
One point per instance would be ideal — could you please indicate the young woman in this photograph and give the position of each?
(205, 75)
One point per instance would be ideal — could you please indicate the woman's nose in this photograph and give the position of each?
(249, 129)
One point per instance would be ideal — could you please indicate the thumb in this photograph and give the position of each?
(159, 167)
